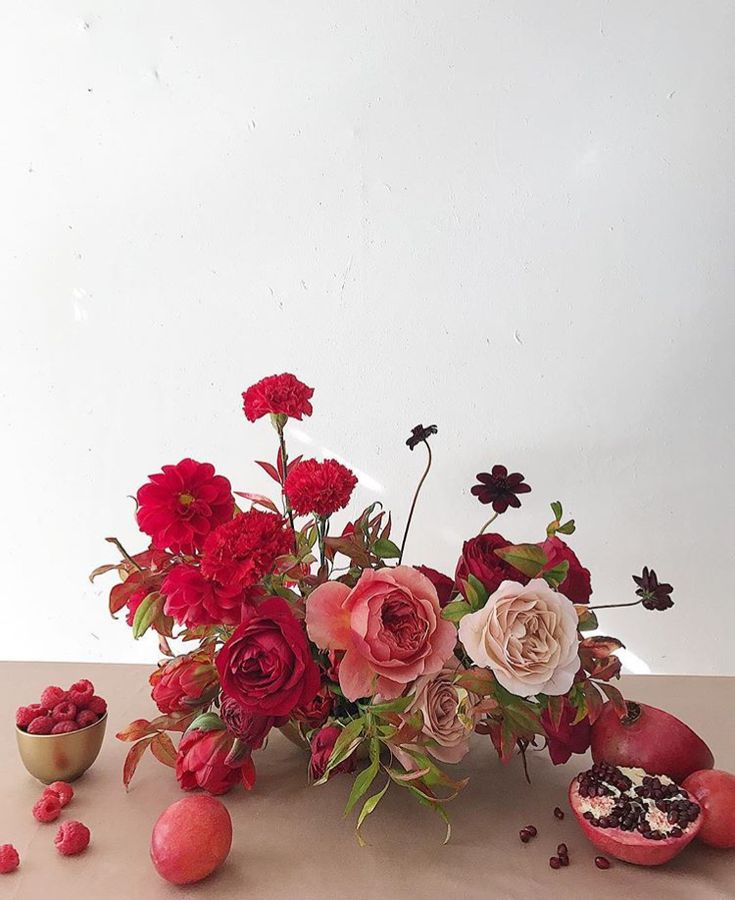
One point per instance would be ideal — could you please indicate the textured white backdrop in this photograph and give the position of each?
(514, 219)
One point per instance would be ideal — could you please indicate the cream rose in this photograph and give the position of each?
(527, 635)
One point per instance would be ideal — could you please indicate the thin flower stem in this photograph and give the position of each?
(284, 463)
(614, 605)
(124, 552)
(489, 522)
(413, 504)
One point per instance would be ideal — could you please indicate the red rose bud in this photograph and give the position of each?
(479, 559)
(318, 711)
(322, 744)
(201, 761)
(251, 729)
(184, 683)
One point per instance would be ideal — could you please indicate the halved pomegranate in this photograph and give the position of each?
(650, 738)
(715, 792)
(627, 813)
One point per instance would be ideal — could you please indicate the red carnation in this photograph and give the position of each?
(180, 505)
(319, 487)
(266, 665)
(280, 395)
(577, 585)
(240, 552)
(193, 599)
(479, 559)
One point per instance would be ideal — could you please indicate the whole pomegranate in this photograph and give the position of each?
(627, 813)
(191, 839)
(649, 738)
(714, 790)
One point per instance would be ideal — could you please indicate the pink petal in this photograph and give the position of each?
(356, 676)
(327, 622)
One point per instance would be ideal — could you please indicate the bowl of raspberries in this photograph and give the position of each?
(60, 736)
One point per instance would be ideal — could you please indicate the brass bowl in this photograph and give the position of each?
(61, 757)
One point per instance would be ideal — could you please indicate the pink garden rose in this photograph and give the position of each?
(390, 626)
(527, 635)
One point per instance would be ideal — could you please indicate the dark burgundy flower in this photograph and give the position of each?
(279, 395)
(249, 727)
(420, 433)
(480, 559)
(322, 744)
(653, 595)
(443, 583)
(317, 711)
(565, 738)
(500, 488)
(577, 585)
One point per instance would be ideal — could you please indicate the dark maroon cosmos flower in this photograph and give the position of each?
(420, 433)
(500, 488)
(653, 595)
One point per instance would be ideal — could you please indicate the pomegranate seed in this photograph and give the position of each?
(524, 835)
(562, 850)
(558, 813)
(564, 860)
(555, 862)
(602, 862)
(531, 829)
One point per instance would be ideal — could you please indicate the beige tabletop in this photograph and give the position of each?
(290, 840)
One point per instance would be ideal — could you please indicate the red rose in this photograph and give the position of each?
(479, 559)
(317, 711)
(577, 586)
(279, 395)
(184, 683)
(443, 583)
(252, 730)
(240, 552)
(322, 744)
(180, 505)
(266, 665)
(201, 762)
(319, 487)
(566, 738)
(193, 599)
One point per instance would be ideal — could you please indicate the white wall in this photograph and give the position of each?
(514, 219)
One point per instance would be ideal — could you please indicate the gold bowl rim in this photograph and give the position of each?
(101, 719)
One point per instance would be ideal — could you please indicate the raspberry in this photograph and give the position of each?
(47, 808)
(65, 727)
(26, 714)
(86, 717)
(41, 725)
(97, 705)
(63, 791)
(53, 696)
(71, 838)
(64, 712)
(9, 859)
(81, 692)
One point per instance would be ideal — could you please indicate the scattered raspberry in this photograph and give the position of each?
(41, 725)
(9, 859)
(98, 705)
(24, 715)
(71, 838)
(81, 692)
(52, 696)
(86, 717)
(64, 712)
(65, 727)
(63, 791)
(48, 808)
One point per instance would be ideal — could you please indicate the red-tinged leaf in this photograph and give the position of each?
(352, 548)
(601, 646)
(269, 470)
(121, 593)
(247, 774)
(101, 570)
(527, 558)
(259, 500)
(136, 730)
(155, 560)
(174, 721)
(613, 694)
(164, 646)
(503, 740)
(396, 775)
(593, 701)
(293, 463)
(279, 466)
(133, 758)
(556, 709)
(478, 681)
(385, 533)
(162, 747)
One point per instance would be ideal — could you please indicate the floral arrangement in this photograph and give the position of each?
(377, 667)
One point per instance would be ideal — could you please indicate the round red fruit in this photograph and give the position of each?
(63, 791)
(86, 717)
(97, 705)
(9, 859)
(648, 738)
(191, 839)
(71, 838)
(41, 725)
(48, 808)
(81, 692)
(714, 790)
(52, 696)
(64, 712)
(64, 727)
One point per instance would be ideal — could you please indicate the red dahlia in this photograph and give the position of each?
(240, 552)
(319, 487)
(180, 505)
(281, 395)
(193, 599)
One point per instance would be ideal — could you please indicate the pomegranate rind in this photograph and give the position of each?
(630, 846)
(657, 742)
(714, 790)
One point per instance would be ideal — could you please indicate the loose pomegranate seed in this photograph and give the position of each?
(564, 860)
(555, 862)
(531, 829)
(602, 862)
(562, 850)
(524, 835)
(558, 813)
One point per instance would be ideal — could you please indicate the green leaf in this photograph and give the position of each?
(344, 746)
(400, 704)
(480, 593)
(556, 508)
(554, 577)
(454, 611)
(370, 805)
(147, 613)
(365, 778)
(587, 619)
(208, 721)
(567, 528)
(527, 558)
(384, 548)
